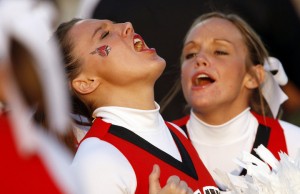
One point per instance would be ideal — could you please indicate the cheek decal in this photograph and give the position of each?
(102, 50)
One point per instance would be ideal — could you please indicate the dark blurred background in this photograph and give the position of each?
(164, 23)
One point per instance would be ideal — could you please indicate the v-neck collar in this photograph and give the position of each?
(185, 166)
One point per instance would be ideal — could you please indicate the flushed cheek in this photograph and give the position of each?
(186, 82)
(186, 74)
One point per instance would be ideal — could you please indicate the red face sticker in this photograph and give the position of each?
(102, 50)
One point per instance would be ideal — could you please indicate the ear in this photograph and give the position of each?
(255, 77)
(84, 85)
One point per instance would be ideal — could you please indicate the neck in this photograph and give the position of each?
(218, 116)
(222, 110)
(140, 98)
(133, 119)
(221, 134)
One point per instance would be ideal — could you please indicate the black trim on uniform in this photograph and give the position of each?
(185, 166)
(184, 129)
(262, 137)
(186, 159)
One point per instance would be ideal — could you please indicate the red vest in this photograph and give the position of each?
(21, 174)
(269, 133)
(142, 156)
(276, 141)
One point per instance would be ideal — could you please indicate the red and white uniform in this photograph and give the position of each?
(32, 160)
(219, 145)
(46, 170)
(118, 153)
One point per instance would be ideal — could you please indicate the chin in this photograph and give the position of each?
(162, 66)
(156, 67)
(159, 64)
(162, 61)
(201, 104)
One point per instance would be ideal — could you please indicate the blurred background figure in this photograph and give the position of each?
(164, 24)
(34, 117)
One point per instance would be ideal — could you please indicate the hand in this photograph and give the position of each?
(174, 184)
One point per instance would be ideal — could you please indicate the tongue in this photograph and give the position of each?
(203, 81)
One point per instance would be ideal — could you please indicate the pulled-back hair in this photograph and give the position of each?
(72, 65)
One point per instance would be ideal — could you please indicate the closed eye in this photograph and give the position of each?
(104, 34)
(218, 52)
(190, 55)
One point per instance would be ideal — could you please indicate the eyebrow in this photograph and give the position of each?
(214, 41)
(96, 30)
(100, 28)
(223, 40)
(188, 43)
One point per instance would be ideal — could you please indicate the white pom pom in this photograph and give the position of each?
(283, 178)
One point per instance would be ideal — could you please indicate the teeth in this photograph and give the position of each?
(137, 40)
(202, 76)
(138, 44)
(202, 79)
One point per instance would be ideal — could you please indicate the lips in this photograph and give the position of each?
(139, 44)
(202, 79)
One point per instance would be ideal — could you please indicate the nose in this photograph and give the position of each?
(127, 28)
(201, 60)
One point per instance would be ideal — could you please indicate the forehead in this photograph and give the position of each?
(215, 28)
(87, 27)
(84, 33)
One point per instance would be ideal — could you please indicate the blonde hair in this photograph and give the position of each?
(257, 54)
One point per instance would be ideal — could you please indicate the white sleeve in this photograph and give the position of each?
(103, 169)
(292, 136)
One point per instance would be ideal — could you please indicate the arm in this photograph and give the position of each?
(292, 136)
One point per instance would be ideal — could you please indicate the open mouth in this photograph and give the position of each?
(139, 43)
(202, 80)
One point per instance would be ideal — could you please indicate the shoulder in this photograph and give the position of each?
(288, 125)
(182, 121)
(292, 135)
(290, 128)
(94, 151)
(101, 165)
